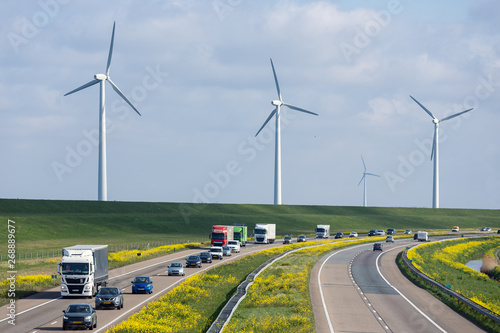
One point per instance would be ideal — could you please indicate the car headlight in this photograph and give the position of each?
(99, 299)
(148, 286)
(65, 317)
(112, 299)
(88, 318)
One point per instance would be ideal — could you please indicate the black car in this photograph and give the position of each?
(79, 316)
(498, 232)
(287, 240)
(339, 235)
(372, 232)
(206, 257)
(377, 247)
(391, 231)
(301, 238)
(109, 297)
(193, 261)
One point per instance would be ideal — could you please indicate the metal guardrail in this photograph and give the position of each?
(482, 310)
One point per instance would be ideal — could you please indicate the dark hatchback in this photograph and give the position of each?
(109, 297)
(193, 261)
(206, 257)
(372, 232)
(377, 247)
(79, 316)
(301, 238)
(339, 235)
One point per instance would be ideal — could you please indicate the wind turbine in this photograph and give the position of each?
(102, 194)
(277, 147)
(363, 179)
(435, 150)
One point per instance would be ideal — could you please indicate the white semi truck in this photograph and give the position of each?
(264, 233)
(83, 269)
(322, 231)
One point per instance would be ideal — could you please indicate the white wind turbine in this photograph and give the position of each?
(363, 179)
(435, 150)
(277, 158)
(101, 78)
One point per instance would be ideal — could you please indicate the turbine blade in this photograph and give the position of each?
(372, 174)
(423, 107)
(455, 115)
(433, 145)
(91, 83)
(298, 109)
(110, 49)
(267, 120)
(364, 165)
(276, 80)
(361, 179)
(118, 91)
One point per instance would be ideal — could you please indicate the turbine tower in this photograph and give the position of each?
(435, 150)
(277, 159)
(102, 194)
(363, 179)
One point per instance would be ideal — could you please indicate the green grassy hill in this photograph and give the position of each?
(53, 224)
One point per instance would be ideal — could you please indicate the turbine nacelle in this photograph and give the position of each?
(277, 103)
(435, 121)
(101, 77)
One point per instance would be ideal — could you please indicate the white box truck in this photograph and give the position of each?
(264, 233)
(422, 236)
(322, 231)
(83, 269)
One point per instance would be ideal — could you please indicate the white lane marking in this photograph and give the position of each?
(53, 323)
(404, 297)
(321, 289)
(37, 306)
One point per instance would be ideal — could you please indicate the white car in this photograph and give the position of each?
(216, 252)
(226, 251)
(353, 234)
(234, 245)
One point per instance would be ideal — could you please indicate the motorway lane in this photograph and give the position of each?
(358, 299)
(43, 311)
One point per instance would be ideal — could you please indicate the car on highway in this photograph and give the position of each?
(206, 257)
(485, 229)
(377, 247)
(407, 232)
(372, 232)
(391, 231)
(226, 251)
(301, 238)
(79, 316)
(339, 235)
(109, 297)
(389, 239)
(216, 252)
(176, 268)
(498, 232)
(455, 229)
(353, 234)
(142, 284)
(193, 261)
(287, 240)
(234, 245)
(380, 232)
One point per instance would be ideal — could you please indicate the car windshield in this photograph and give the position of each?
(232, 243)
(215, 250)
(108, 291)
(141, 280)
(78, 308)
(288, 237)
(225, 248)
(176, 264)
(193, 258)
(75, 268)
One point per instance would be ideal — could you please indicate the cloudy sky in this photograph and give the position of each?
(199, 73)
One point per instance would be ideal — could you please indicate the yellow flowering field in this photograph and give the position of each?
(445, 263)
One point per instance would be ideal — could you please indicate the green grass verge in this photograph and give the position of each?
(469, 313)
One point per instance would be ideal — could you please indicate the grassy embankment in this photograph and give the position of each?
(445, 263)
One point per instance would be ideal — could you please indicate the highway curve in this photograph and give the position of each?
(42, 312)
(360, 290)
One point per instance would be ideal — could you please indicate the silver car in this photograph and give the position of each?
(176, 268)
(226, 251)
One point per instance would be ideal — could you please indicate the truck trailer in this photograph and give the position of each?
(83, 269)
(240, 233)
(221, 234)
(322, 231)
(265, 233)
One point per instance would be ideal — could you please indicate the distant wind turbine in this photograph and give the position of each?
(363, 179)
(435, 150)
(100, 78)
(277, 158)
